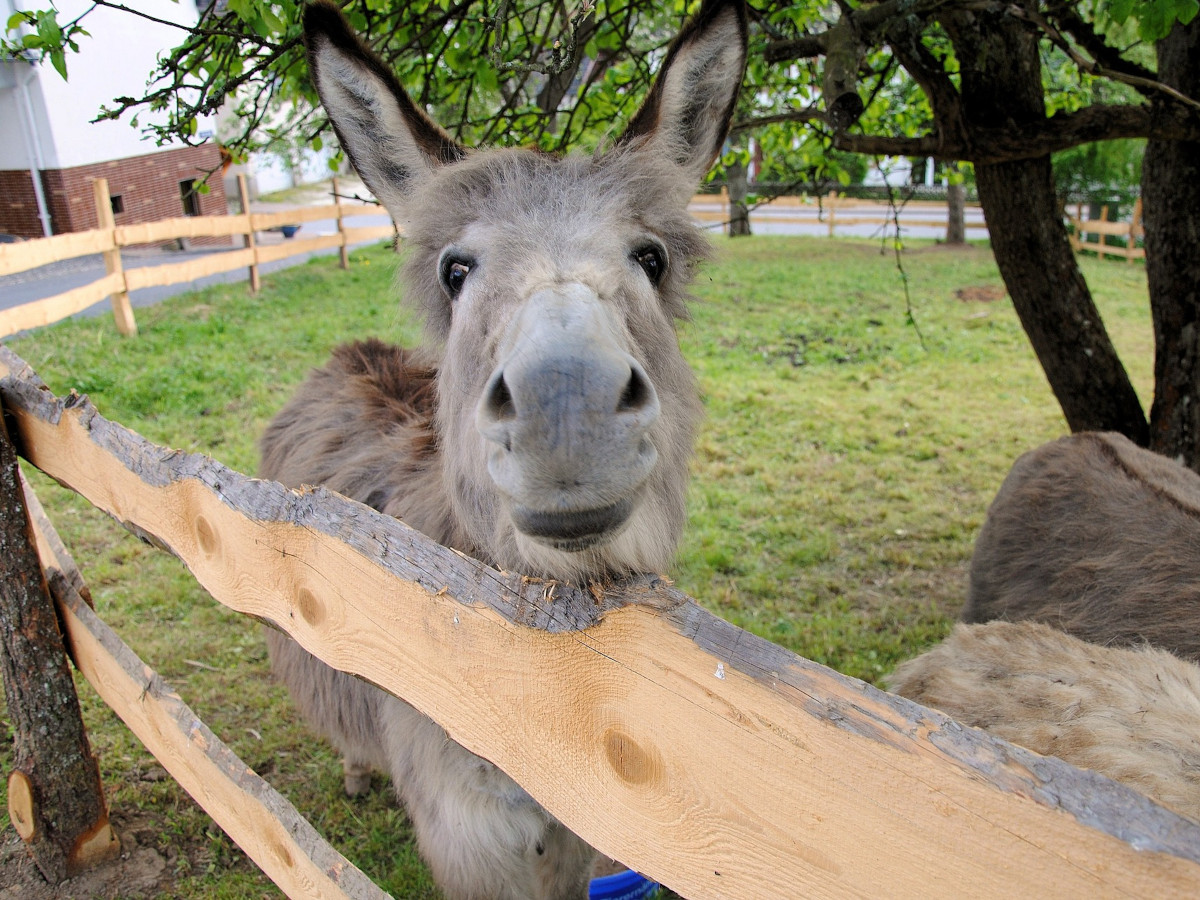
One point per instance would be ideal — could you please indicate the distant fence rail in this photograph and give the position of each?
(832, 211)
(1132, 232)
(118, 281)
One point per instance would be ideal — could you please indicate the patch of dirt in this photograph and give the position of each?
(140, 871)
(981, 293)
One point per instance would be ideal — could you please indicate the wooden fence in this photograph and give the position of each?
(118, 281)
(832, 211)
(1132, 231)
(705, 757)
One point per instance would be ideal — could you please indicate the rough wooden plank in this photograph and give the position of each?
(48, 310)
(263, 823)
(244, 200)
(265, 253)
(175, 273)
(24, 255)
(56, 801)
(1102, 226)
(263, 221)
(181, 227)
(358, 234)
(121, 307)
(708, 758)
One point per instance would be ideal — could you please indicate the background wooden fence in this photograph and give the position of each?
(1132, 231)
(832, 211)
(703, 756)
(118, 281)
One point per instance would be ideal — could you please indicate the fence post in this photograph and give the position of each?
(244, 197)
(55, 798)
(343, 250)
(1102, 237)
(122, 309)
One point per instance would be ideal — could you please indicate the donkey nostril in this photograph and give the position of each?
(500, 404)
(636, 395)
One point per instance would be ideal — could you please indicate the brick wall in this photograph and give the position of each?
(148, 188)
(18, 204)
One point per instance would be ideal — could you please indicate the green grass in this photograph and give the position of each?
(839, 480)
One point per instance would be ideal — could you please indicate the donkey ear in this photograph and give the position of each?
(687, 112)
(388, 139)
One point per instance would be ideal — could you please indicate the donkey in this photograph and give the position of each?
(1131, 714)
(1097, 537)
(547, 424)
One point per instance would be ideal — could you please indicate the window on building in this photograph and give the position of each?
(190, 197)
(118, 204)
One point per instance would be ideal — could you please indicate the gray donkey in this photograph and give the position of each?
(547, 424)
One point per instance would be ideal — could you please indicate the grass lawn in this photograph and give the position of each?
(846, 463)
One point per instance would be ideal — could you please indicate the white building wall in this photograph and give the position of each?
(116, 60)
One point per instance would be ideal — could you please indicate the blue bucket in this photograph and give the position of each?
(621, 886)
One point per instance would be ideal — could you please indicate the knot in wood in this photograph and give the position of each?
(633, 763)
(206, 537)
(309, 607)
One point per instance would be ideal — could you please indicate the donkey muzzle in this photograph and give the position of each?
(567, 414)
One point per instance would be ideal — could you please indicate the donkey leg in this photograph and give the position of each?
(483, 837)
(357, 777)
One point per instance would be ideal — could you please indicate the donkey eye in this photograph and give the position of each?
(454, 272)
(652, 261)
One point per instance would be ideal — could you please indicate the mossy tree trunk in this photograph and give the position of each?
(55, 799)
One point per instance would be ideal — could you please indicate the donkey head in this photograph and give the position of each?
(551, 286)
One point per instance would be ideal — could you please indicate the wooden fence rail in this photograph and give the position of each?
(1132, 231)
(832, 211)
(711, 760)
(118, 281)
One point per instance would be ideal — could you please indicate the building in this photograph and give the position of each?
(50, 150)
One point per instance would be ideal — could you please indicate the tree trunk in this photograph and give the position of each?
(1171, 213)
(956, 202)
(55, 799)
(1002, 86)
(739, 187)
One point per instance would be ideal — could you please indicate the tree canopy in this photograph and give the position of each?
(998, 84)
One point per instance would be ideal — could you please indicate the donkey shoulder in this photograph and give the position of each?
(354, 422)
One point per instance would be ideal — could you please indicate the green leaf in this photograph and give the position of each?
(58, 59)
(48, 30)
(1119, 10)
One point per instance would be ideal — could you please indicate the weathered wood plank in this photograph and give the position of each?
(24, 255)
(263, 823)
(175, 273)
(265, 253)
(121, 307)
(360, 233)
(263, 221)
(55, 799)
(181, 227)
(708, 758)
(37, 313)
